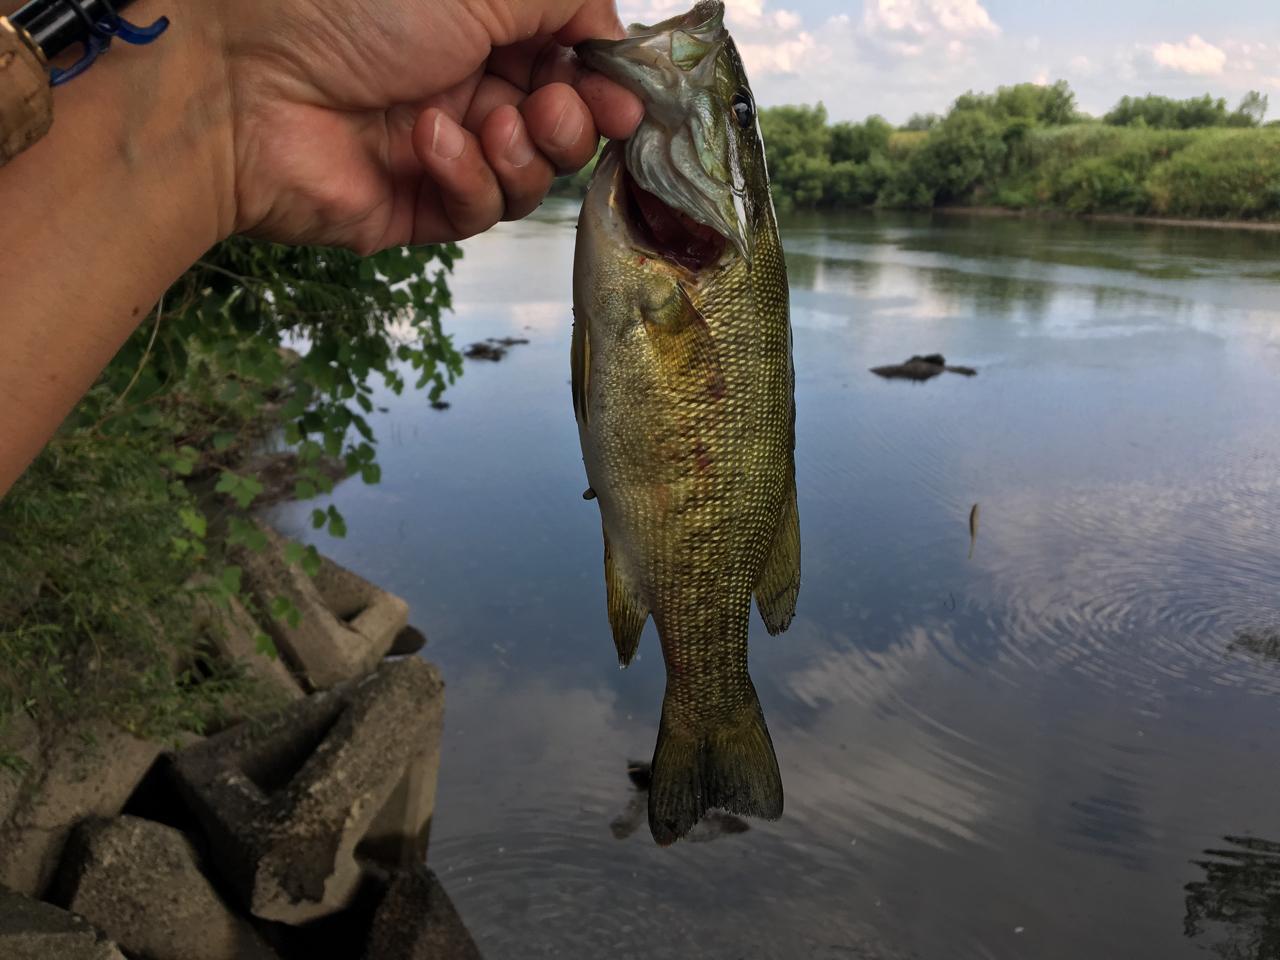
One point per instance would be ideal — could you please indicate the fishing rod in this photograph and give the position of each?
(54, 26)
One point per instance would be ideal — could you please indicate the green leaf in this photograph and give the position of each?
(241, 532)
(337, 525)
(371, 473)
(318, 518)
(266, 646)
(223, 440)
(311, 562)
(242, 490)
(229, 579)
(293, 552)
(282, 608)
(193, 520)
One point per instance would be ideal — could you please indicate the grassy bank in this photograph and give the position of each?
(150, 481)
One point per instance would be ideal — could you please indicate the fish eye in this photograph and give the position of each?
(744, 109)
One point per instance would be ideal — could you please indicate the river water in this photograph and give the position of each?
(1061, 746)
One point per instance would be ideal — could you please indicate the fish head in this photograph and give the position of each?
(698, 149)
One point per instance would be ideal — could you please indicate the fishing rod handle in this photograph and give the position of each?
(26, 99)
(58, 25)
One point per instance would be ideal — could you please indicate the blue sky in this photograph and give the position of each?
(898, 57)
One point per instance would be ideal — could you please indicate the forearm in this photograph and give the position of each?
(98, 218)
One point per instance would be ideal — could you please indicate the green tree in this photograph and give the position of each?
(859, 142)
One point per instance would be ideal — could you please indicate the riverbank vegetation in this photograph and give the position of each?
(1027, 147)
(147, 486)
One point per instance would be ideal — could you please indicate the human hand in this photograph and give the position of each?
(372, 123)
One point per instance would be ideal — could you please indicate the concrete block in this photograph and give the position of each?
(417, 921)
(286, 803)
(233, 633)
(89, 771)
(31, 930)
(140, 883)
(324, 647)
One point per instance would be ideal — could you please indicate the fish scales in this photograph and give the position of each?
(683, 389)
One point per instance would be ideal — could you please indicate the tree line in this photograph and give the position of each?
(1028, 146)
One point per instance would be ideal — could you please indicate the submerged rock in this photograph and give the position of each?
(920, 368)
(495, 348)
(140, 883)
(287, 802)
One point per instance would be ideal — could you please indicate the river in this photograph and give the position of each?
(1061, 746)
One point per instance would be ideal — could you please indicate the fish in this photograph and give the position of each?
(684, 393)
(973, 529)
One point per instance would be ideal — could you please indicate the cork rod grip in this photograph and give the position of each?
(26, 99)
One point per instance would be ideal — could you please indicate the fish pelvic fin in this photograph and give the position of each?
(627, 612)
(779, 583)
(580, 367)
(731, 767)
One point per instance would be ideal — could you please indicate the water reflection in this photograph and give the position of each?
(1235, 909)
(713, 825)
(978, 753)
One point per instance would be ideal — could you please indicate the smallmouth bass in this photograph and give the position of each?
(683, 389)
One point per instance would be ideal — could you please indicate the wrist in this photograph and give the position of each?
(167, 133)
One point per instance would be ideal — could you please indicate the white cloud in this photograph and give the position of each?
(1195, 56)
(924, 18)
(898, 57)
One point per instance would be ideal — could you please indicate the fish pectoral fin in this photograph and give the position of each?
(627, 612)
(580, 366)
(685, 346)
(779, 583)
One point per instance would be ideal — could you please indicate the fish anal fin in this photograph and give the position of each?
(627, 612)
(779, 583)
(731, 767)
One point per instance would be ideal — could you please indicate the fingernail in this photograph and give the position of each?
(568, 127)
(447, 141)
(519, 147)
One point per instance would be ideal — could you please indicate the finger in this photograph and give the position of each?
(561, 126)
(538, 63)
(595, 18)
(492, 93)
(616, 111)
(467, 192)
(523, 173)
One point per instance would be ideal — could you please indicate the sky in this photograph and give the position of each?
(899, 57)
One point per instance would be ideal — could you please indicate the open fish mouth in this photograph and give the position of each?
(674, 236)
(658, 228)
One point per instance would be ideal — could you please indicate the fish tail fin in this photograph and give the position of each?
(730, 766)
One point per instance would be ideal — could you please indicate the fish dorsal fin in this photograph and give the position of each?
(580, 367)
(627, 612)
(779, 584)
